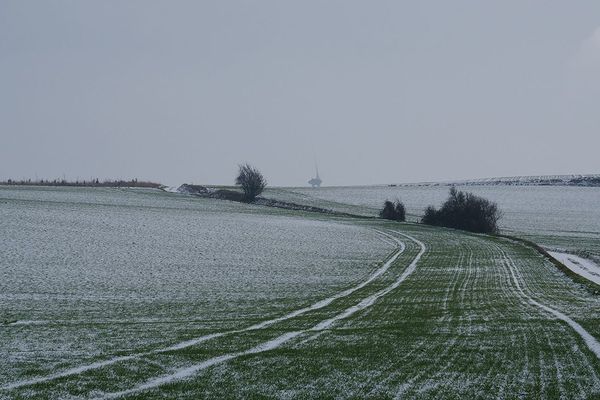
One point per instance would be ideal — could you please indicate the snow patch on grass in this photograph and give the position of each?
(581, 266)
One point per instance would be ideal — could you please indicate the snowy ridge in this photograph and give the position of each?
(533, 180)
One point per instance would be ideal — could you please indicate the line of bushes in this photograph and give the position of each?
(394, 211)
(83, 183)
(461, 210)
(465, 211)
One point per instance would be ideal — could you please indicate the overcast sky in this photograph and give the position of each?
(375, 91)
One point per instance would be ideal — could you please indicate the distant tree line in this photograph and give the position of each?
(586, 181)
(83, 183)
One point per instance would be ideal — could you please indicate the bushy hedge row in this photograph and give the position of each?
(393, 210)
(465, 211)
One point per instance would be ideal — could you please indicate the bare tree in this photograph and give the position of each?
(251, 181)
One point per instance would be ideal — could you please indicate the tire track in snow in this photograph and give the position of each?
(370, 300)
(272, 344)
(188, 343)
(519, 286)
(589, 340)
(547, 365)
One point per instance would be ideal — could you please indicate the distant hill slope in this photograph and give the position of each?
(542, 180)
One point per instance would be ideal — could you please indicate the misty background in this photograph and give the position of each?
(375, 92)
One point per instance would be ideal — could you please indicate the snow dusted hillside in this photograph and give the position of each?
(132, 293)
(540, 180)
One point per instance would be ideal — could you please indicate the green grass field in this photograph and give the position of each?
(278, 304)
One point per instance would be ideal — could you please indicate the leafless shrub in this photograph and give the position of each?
(251, 181)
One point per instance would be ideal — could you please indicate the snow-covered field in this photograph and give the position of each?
(141, 294)
(86, 272)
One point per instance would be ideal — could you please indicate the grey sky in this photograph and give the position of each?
(377, 91)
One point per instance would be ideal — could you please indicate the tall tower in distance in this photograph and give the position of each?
(316, 181)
